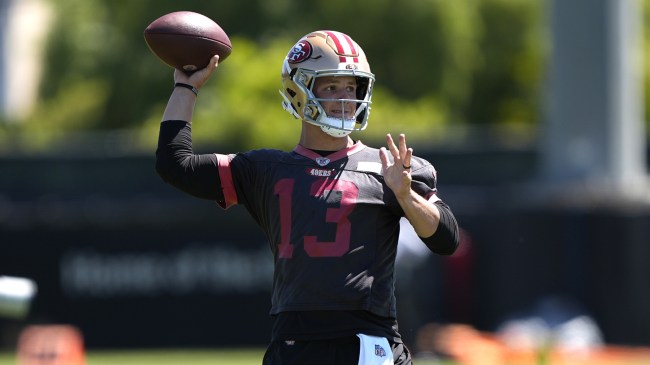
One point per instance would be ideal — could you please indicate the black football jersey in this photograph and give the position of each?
(331, 221)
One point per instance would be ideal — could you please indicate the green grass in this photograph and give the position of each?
(176, 357)
(167, 357)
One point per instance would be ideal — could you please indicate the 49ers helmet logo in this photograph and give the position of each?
(300, 52)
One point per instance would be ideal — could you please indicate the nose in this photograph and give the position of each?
(346, 94)
(342, 93)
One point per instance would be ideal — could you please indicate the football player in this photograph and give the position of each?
(331, 207)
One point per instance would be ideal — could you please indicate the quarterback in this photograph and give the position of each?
(330, 208)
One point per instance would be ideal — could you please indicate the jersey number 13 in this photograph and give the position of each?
(284, 189)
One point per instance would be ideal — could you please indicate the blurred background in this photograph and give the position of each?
(533, 112)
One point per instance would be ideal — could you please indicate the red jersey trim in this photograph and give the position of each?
(227, 185)
(334, 156)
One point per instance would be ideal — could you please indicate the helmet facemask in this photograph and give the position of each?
(349, 120)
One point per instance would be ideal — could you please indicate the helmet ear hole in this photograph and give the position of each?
(291, 92)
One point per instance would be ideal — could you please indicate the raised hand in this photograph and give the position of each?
(397, 173)
(198, 78)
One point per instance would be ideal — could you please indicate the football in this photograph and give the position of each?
(187, 40)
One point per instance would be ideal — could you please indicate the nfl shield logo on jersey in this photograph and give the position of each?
(322, 161)
(374, 351)
(379, 351)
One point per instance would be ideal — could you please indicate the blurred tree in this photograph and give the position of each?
(646, 61)
(437, 62)
(507, 86)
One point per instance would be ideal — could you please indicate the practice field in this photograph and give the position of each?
(254, 357)
(176, 357)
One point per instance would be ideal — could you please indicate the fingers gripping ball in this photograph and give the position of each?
(187, 40)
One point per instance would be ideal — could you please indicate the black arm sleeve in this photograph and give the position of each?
(445, 240)
(177, 164)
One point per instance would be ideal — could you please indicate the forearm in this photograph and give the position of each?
(423, 214)
(180, 105)
(433, 222)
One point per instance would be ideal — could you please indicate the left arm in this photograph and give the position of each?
(423, 215)
(431, 219)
